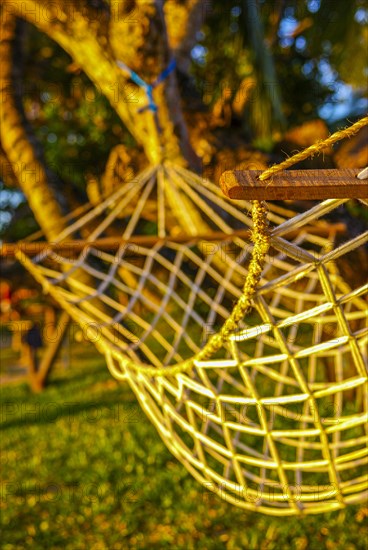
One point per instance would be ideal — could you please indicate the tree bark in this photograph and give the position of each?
(81, 31)
(29, 171)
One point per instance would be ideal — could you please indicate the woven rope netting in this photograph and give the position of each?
(271, 418)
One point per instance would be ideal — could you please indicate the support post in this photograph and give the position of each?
(38, 379)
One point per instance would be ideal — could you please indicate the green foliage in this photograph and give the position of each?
(84, 468)
(338, 33)
(306, 53)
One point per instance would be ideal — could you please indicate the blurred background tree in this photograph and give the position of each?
(248, 73)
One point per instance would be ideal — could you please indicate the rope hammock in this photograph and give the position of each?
(247, 354)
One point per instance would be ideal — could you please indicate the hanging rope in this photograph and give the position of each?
(315, 148)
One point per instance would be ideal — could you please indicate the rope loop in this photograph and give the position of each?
(148, 88)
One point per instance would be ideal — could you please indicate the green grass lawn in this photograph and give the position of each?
(82, 468)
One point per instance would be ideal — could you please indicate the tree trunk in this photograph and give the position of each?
(28, 169)
(80, 31)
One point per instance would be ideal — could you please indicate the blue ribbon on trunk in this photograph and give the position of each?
(148, 88)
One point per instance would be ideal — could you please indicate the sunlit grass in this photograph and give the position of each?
(84, 468)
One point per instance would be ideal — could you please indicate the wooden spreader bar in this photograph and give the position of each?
(294, 185)
(69, 248)
(112, 243)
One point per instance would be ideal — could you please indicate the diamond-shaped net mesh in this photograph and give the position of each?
(274, 420)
